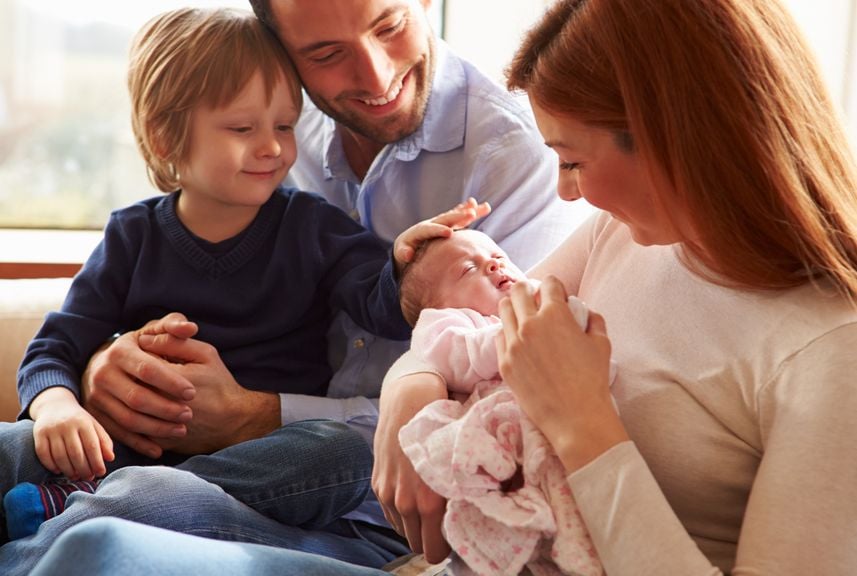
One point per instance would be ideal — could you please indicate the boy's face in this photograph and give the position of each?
(468, 270)
(368, 64)
(240, 152)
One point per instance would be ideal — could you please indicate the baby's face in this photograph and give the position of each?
(468, 270)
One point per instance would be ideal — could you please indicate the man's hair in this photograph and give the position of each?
(187, 57)
(724, 99)
(262, 9)
(415, 287)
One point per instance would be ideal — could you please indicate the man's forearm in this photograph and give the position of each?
(248, 415)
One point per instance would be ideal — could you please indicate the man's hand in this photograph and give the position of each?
(224, 413)
(410, 506)
(137, 396)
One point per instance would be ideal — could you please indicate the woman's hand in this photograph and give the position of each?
(441, 226)
(411, 507)
(559, 373)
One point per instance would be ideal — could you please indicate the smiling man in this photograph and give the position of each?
(397, 130)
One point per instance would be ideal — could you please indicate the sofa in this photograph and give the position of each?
(23, 305)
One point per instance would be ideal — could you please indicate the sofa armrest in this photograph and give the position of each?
(23, 305)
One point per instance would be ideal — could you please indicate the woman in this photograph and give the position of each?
(724, 264)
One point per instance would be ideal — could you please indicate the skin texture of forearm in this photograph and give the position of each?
(248, 415)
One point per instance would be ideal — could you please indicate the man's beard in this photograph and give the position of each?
(392, 128)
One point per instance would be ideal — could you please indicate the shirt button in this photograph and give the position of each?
(355, 215)
(359, 343)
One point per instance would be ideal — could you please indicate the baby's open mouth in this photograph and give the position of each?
(505, 283)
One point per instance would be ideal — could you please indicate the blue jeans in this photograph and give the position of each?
(108, 546)
(322, 465)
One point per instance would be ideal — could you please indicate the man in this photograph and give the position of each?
(401, 130)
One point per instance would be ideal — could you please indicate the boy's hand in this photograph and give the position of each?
(441, 226)
(68, 439)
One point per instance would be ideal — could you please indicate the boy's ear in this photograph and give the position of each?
(158, 149)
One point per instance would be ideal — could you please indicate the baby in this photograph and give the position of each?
(508, 499)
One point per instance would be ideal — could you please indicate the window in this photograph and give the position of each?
(67, 156)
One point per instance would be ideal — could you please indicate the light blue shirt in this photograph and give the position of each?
(476, 140)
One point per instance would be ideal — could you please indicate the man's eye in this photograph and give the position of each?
(389, 31)
(569, 166)
(324, 58)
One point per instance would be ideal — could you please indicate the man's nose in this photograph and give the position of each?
(374, 70)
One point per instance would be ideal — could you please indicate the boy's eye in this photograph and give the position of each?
(569, 166)
(240, 129)
(284, 128)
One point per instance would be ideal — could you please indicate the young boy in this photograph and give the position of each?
(508, 503)
(257, 267)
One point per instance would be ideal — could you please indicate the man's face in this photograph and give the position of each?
(368, 64)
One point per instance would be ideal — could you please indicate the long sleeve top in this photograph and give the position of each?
(740, 408)
(264, 298)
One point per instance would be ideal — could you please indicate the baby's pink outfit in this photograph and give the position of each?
(509, 503)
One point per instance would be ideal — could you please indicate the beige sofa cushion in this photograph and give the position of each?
(23, 305)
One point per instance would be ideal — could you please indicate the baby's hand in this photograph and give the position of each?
(68, 439)
(441, 226)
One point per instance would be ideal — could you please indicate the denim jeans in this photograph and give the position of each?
(304, 473)
(107, 546)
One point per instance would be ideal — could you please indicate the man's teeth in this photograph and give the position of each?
(386, 99)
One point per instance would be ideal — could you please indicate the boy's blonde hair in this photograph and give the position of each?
(725, 97)
(187, 57)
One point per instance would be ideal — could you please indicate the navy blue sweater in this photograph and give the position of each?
(264, 298)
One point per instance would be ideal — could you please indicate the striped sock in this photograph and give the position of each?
(29, 505)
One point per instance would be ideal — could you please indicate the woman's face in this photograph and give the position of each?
(593, 166)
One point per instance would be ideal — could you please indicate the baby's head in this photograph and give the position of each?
(466, 270)
(192, 57)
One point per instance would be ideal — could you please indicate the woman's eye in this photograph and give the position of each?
(240, 129)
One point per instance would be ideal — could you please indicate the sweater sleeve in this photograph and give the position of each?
(90, 314)
(801, 511)
(459, 343)
(358, 274)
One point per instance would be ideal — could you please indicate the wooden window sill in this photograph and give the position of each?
(44, 253)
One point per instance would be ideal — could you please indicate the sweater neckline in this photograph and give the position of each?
(214, 266)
